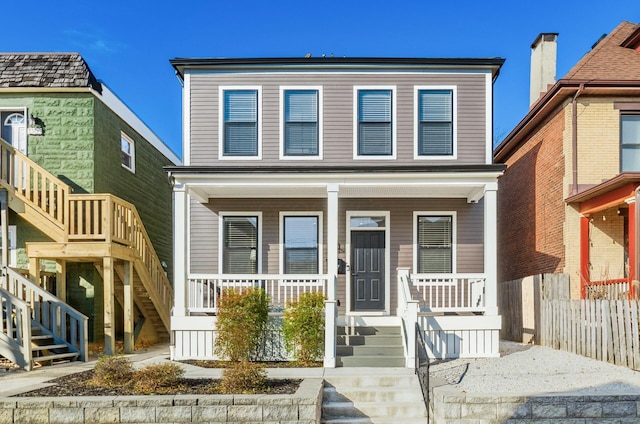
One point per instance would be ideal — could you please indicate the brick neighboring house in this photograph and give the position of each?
(63, 126)
(567, 201)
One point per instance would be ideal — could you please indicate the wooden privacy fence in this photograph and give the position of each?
(606, 330)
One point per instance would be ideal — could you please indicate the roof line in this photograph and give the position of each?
(333, 169)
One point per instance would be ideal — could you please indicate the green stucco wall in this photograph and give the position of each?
(148, 188)
(81, 146)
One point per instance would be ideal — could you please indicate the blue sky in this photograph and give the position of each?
(128, 44)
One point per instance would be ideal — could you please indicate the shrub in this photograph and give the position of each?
(303, 328)
(242, 318)
(158, 378)
(243, 377)
(112, 371)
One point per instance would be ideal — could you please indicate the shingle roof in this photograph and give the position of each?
(53, 70)
(608, 60)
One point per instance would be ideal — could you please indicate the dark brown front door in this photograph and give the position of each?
(367, 270)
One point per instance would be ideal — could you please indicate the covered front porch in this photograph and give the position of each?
(609, 237)
(387, 249)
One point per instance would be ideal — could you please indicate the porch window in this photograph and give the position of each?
(240, 123)
(435, 122)
(434, 244)
(375, 123)
(301, 123)
(240, 245)
(300, 244)
(630, 143)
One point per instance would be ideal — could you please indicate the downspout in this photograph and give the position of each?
(636, 253)
(574, 140)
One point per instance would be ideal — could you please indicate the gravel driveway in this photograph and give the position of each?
(528, 369)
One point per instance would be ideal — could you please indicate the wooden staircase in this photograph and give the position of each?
(87, 227)
(36, 326)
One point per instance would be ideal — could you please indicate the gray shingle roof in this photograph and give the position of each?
(53, 70)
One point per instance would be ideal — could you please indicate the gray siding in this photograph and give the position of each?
(338, 114)
(469, 243)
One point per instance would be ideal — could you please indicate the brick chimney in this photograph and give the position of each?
(543, 64)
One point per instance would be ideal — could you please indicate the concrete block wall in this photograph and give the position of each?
(303, 407)
(450, 405)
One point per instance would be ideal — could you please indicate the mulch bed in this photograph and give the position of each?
(268, 364)
(78, 385)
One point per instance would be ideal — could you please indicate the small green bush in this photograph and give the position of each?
(158, 378)
(112, 371)
(243, 377)
(303, 328)
(242, 318)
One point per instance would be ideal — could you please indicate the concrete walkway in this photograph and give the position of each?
(13, 382)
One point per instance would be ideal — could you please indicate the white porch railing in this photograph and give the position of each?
(203, 290)
(449, 292)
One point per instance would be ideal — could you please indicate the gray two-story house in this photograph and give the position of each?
(368, 179)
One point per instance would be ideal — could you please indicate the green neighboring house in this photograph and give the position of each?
(54, 111)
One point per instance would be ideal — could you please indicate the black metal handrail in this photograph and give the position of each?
(422, 364)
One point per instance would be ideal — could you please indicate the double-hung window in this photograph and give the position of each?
(435, 123)
(240, 123)
(435, 246)
(301, 124)
(240, 244)
(301, 241)
(127, 152)
(375, 124)
(630, 143)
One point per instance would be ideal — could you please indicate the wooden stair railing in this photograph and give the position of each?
(86, 217)
(15, 330)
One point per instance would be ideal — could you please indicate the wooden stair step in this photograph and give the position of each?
(68, 355)
(41, 337)
(48, 347)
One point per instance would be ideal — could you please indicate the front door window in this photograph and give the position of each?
(14, 130)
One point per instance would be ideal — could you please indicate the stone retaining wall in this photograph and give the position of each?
(450, 405)
(303, 407)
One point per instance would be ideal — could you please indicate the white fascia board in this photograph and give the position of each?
(114, 103)
(313, 179)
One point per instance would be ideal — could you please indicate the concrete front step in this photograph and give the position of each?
(379, 339)
(373, 395)
(370, 361)
(381, 394)
(370, 350)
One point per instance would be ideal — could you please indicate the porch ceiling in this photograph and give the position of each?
(470, 186)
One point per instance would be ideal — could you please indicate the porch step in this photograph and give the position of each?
(391, 397)
(369, 347)
(69, 356)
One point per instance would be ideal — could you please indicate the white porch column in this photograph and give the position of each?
(180, 223)
(331, 307)
(491, 248)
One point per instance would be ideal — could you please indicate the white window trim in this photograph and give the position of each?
(318, 88)
(416, 121)
(320, 239)
(132, 143)
(387, 259)
(394, 122)
(221, 90)
(454, 236)
(221, 217)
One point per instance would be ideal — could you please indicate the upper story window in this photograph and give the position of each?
(435, 235)
(301, 241)
(630, 143)
(435, 127)
(240, 244)
(240, 132)
(301, 132)
(374, 114)
(128, 155)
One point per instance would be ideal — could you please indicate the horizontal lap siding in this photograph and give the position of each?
(338, 114)
(204, 228)
(470, 231)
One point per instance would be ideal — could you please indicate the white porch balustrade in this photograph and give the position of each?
(449, 292)
(204, 290)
